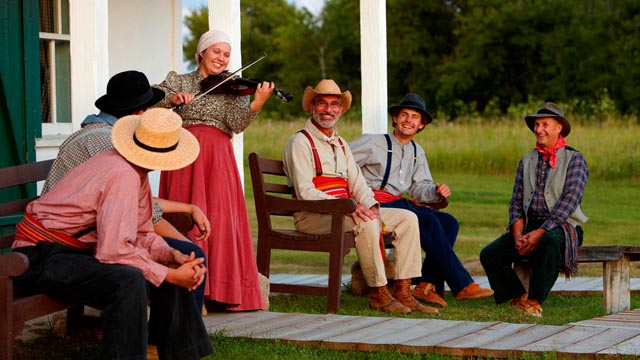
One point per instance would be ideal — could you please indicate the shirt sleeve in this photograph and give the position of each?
(361, 192)
(516, 207)
(422, 188)
(574, 185)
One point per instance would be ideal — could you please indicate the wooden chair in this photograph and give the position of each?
(273, 198)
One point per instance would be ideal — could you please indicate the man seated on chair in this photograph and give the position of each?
(319, 165)
(90, 241)
(128, 93)
(394, 164)
(544, 216)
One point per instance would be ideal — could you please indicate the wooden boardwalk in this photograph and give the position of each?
(612, 336)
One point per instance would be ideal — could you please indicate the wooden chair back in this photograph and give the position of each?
(273, 197)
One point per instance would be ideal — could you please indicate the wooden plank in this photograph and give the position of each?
(384, 337)
(265, 328)
(629, 347)
(465, 346)
(317, 330)
(594, 344)
(616, 285)
(221, 321)
(570, 335)
(505, 347)
(427, 344)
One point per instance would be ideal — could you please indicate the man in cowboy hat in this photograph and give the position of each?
(544, 216)
(122, 265)
(128, 93)
(319, 165)
(394, 164)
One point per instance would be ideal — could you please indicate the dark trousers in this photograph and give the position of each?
(497, 259)
(187, 247)
(438, 234)
(122, 293)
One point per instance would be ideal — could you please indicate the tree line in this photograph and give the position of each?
(464, 57)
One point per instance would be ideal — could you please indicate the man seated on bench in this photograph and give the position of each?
(319, 165)
(128, 93)
(394, 164)
(90, 241)
(544, 216)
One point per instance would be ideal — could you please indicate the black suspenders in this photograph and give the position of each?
(385, 178)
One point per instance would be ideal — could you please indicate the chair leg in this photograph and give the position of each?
(263, 257)
(334, 291)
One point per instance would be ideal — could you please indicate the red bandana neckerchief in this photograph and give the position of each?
(551, 154)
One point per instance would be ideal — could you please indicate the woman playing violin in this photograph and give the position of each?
(212, 182)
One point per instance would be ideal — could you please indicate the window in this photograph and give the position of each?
(55, 61)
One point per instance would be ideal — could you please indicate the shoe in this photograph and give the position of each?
(473, 291)
(426, 292)
(528, 306)
(204, 310)
(152, 352)
(380, 299)
(402, 292)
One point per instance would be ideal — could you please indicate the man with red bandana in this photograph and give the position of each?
(544, 216)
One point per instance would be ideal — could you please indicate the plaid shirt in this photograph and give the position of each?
(576, 180)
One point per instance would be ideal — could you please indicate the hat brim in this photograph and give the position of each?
(310, 94)
(393, 111)
(122, 137)
(108, 105)
(566, 126)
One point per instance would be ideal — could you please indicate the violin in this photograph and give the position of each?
(236, 86)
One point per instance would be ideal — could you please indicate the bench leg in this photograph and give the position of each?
(523, 270)
(616, 292)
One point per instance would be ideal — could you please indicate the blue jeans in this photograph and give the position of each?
(438, 234)
(186, 247)
(122, 293)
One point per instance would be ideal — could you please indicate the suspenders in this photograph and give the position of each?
(316, 157)
(385, 178)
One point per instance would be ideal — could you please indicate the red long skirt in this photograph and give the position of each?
(212, 182)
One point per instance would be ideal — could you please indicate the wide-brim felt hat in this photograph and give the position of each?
(550, 110)
(415, 102)
(326, 87)
(127, 92)
(155, 140)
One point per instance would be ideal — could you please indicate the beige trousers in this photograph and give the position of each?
(403, 223)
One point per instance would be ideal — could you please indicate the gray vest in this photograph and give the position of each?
(555, 182)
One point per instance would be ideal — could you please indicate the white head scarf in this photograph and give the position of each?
(209, 38)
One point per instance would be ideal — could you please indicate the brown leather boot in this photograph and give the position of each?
(380, 299)
(426, 292)
(402, 292)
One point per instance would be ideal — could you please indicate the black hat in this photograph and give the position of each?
(127, 92)
(415, 102)
(553, 111)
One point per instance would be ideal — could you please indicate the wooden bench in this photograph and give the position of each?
(16, 310)
(616, 266)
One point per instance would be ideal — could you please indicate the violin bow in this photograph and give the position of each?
(203, 93)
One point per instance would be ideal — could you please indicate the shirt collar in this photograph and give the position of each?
(315, 132)
(101, 117)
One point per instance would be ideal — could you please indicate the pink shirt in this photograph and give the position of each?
(113, 195)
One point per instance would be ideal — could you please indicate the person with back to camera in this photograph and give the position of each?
(121, 266)
(212, 182)
(544, 216)
(394, 164)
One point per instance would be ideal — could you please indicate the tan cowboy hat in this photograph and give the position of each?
(155, 140)
(325, 87)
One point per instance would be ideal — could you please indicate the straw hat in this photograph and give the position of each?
(550, 110)
(155, 140)
(325, 87)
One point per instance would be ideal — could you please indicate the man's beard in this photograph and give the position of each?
(326, 124)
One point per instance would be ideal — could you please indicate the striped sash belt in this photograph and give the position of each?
(31, 230)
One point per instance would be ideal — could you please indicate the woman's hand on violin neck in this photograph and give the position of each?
(182, 98)
(262, 94)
